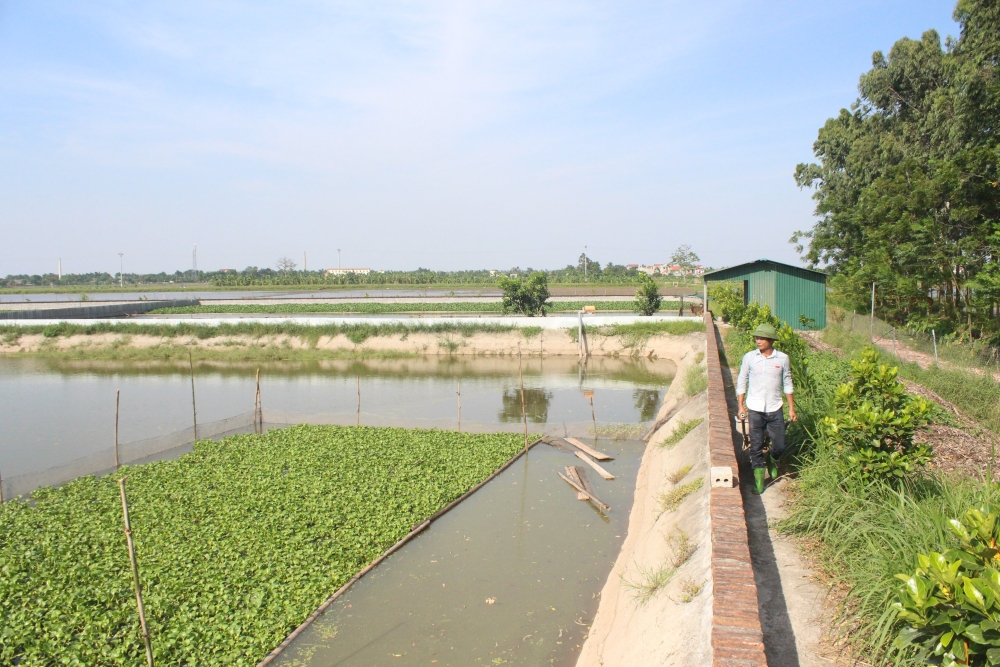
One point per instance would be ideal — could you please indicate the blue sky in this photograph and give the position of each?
(447, 135)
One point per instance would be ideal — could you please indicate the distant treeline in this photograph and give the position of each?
(593, 272)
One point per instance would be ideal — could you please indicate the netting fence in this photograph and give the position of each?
(964, 353)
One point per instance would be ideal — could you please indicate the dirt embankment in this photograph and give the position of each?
(551, 342)
(666, 550)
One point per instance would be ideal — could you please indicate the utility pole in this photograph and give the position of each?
(194, 262)
(60, 269)
(305, 267)
(585, 262)
(338, 258)
(121, 269)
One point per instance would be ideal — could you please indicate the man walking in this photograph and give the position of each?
(768, 374)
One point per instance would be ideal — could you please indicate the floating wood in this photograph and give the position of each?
(600, 471)
(594, 499)
(558, 444)
(582, 474)
(590, 450)
(573, 474)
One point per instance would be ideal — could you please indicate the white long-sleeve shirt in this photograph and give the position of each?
(767, 378)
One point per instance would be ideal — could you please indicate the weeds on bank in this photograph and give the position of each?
(648, 581)
(695, 380)
(672, 499)
(690, 589)
(682, 430)
(679, 474)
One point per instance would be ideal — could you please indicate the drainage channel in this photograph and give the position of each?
(511, 576)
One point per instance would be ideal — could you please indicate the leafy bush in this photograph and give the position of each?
(647, 297)
(875, 420)
(526, 297)
(951, 603)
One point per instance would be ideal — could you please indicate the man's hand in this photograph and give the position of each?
(741, 411)
(791, 414)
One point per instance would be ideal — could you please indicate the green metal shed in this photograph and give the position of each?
(789, 290)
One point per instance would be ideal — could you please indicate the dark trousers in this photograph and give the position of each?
(774, 423)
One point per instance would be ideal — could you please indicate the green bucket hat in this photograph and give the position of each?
(765, 331)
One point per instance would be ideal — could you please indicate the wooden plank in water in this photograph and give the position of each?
(584, 482)
(590, 450)
(600, 471)
(573, 472)
(594, 499)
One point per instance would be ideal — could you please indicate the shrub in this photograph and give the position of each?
(647, 297)
(951, 603)
(526, 297)
(875, 420)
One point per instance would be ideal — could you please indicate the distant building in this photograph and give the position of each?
(344, 272)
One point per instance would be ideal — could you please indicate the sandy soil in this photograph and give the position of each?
(547, 342)
(666, 630)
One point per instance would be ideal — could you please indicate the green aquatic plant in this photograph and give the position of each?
(238, 542)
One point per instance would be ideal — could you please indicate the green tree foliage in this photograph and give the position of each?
(647, 297)
(684, 258)
(951, 602)
(528, 297)
(908, 183)
(874, 420)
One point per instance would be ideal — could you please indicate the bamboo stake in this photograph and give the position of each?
(934, 337)
(359, 400)
(135, 575)
(592, 416)
(118, 403)
(524, 413)
(194, 403)
(459, 406)
(258, 411)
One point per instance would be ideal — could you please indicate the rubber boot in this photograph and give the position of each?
(758, 481)
(772, 467)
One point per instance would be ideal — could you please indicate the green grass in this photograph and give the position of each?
(679, 474)
(380, 308)
(863, 536)
(695, 380)
(238, 542)
(648, 581)
(672, 499)
(681, 431)
(624, 431)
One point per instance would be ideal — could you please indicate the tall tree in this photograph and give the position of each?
(907, 181)
(684, 258)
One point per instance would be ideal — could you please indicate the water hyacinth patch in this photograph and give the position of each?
(238, 542)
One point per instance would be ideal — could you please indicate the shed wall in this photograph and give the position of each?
(788, 291)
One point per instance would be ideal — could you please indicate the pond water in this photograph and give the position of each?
(511, 575)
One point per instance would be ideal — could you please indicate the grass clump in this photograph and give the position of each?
(385, 308)
(690, 589)
(672, 499)
(695, 380)
(679, 474)
(682, 430)
(649, 581)
(238, 541)
(681, 547)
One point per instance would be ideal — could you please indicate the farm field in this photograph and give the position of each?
(384, 308)
(238, 541)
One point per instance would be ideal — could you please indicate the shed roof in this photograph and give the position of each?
(758, 265)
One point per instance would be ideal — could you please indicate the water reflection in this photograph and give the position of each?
(536, 405)
(648, 402)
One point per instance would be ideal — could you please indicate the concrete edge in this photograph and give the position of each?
(737, 636)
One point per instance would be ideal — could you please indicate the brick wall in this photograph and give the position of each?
(736, 633)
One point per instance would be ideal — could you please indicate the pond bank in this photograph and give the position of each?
(245, 343)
